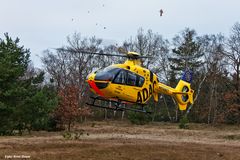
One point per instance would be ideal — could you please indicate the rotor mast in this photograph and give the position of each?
(133, 59)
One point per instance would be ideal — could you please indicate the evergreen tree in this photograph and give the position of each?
(13, 63)
(23, 101)
(187, 52)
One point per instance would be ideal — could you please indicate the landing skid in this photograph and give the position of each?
(116, 105)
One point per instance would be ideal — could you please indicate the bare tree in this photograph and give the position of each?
(68, 68)
(150, 44)
(213, 47)
(233, 52)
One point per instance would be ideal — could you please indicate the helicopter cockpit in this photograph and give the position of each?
(118, 76)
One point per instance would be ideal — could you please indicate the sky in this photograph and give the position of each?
(45, 24)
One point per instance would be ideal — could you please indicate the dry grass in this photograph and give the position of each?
(121, 140)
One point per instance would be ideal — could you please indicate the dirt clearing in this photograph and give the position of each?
(121, 140)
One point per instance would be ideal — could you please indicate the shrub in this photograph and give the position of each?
(139, 118)
(183, 124)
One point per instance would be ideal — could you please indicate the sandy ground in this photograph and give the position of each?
(123, 141)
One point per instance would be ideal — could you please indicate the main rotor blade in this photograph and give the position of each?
(89, 52)
(100, 53)
(145, 57)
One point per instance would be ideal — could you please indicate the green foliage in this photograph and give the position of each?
(36, 110)
(183, 123)
(187, 51)
(232, 137)
(93, 124)
(67, 135)
(13, 63)
(52, 124)
(74, 135)
(24, 103)
(139, 118)
(162, 116)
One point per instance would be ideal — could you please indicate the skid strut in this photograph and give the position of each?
(115, 105)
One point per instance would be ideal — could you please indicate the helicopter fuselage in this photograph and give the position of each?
(126, 82)
(129, 82)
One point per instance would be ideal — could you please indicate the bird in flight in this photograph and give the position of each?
(161, 12)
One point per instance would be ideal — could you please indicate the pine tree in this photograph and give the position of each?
(23, 102)
(13, 63)
(186, 53)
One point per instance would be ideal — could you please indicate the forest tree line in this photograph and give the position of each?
(37, 99)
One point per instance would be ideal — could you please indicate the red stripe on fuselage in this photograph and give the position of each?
(94, 87)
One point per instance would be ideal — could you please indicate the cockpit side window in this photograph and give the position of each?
(128, 78)
(131, 79)
(120, 78)
(140, 81)
(107, 74)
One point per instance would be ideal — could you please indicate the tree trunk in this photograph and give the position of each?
(154, 112)
(69, 126)
(176, 115)
(197, 94)
(176, 111)
(165, 103)
(123, 112)
(81, 119)
(105, 114)
(215, 106)
(212, 89)
(238, 78)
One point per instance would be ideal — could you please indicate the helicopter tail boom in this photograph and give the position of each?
(182, 93)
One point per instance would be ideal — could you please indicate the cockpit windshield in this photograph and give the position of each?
(106, 74)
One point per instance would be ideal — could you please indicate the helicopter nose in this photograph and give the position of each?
(90, 77)
(93, 85)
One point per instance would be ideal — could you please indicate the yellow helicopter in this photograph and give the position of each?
(131, 83)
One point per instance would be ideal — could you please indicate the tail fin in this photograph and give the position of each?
(183, 92)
